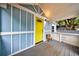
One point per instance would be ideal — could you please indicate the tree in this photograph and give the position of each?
(70, 24)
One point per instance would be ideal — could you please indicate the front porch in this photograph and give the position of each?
(51, 48)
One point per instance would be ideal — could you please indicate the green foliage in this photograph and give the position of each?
(62, 22)
(70, 24)
(77, 21)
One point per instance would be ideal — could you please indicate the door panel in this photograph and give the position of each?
(39, 30)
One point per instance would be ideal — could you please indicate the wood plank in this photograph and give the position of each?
(71, 51)
(62, 50)
(67, 50)
(77, 51)
(51, 48)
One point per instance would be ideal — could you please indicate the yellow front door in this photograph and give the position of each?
(39, 30)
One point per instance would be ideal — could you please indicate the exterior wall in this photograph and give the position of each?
(16, 30)
(47, 29)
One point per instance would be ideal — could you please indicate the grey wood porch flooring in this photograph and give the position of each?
(51, 48)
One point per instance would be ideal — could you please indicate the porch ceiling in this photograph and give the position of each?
(58, 11)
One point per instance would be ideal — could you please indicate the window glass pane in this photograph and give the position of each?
(28, 22)
(0, 45)
(5, 45)
(29, 39)
(32, 21)
(5, 21)
(0, 19)
(15, 43)
(23, 21)
(32, 38)
(23, 41)
(15, 20)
